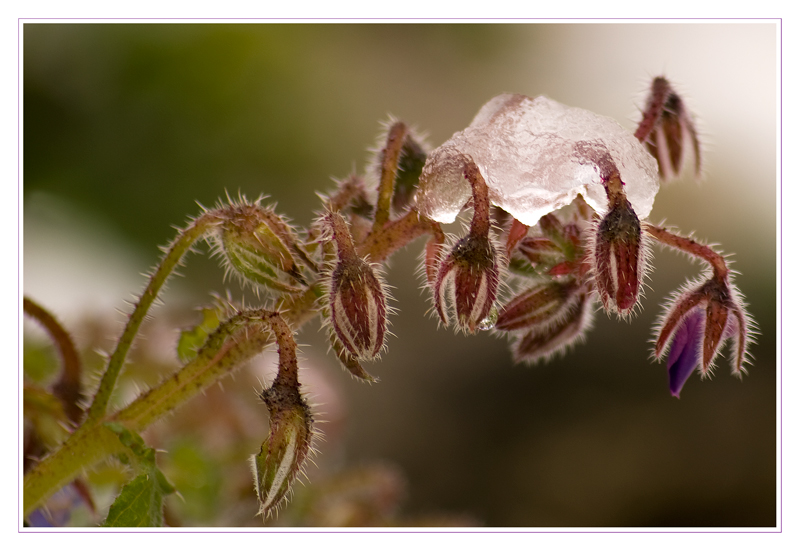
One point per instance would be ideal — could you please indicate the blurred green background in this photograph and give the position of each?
(127, 125)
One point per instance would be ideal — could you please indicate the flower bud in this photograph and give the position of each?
(284, 451)
(696, 325)
(261, 247)
(356, 298)
(542, 304)
(666, 128)
(467, 282)
(618, 258)
(545, 340)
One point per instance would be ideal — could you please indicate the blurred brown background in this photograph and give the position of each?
(126, 126)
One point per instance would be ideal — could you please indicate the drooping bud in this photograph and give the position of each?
(260, 247)
(467, 282)
(357, 299)
(695, 327)
(469, 275)
(618, 258)
(542, 304)
(665, 129)
(284, 451)
(547, 339)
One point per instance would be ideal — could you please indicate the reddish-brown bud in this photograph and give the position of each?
(545, 303)
(667, 129)
(618, 258)
(357, 299)
(547, 339)
(467, 282)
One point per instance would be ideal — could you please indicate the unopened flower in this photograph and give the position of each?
(356, 299)
(283, 453)
(469, 275)
(695, 327)
(467, 282)
(260, 247)
(545, 303)
(544, 340)
(667, 129)
(618, 258)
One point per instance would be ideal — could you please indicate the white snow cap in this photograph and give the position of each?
(536, 156)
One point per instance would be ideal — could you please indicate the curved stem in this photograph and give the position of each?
(171, 259)
(690, 246)
(68, 387)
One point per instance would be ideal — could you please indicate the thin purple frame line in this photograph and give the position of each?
(780, 91)
(780, 27)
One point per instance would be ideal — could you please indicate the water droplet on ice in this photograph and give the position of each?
(533, 155)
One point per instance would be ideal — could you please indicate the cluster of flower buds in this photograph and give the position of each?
(576, 256)
(260, 247)
(554, 310)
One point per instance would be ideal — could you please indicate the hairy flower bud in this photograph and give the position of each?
(260, 247)
(665, 129)
(696, 325)
(618, 258)
(545, 303)
(284, 451)
(544, 340)
(357, 300)
(467, 282)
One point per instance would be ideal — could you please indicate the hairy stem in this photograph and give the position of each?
(692, 247)
(380, 245)
(171, 259)
(236, 341)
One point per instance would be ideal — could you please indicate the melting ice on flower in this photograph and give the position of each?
(533, 155)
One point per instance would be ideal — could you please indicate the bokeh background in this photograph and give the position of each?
(126, 126)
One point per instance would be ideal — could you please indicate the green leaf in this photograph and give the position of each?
(139, 504)
(141, 501)
(192, 339)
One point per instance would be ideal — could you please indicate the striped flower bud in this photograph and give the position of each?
(469, 275)
(260, 247)
(618, 258)
(284, 451)
(467, 282)
(545, 303)
(546, 340)
(357, 299)
(667, 130)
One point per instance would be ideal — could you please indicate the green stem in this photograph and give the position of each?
(236, 341)
(171, 259)
(87, 445)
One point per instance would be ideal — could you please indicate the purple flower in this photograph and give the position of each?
(684, 353)
(695, 327)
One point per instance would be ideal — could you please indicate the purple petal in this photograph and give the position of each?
(684, 352)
